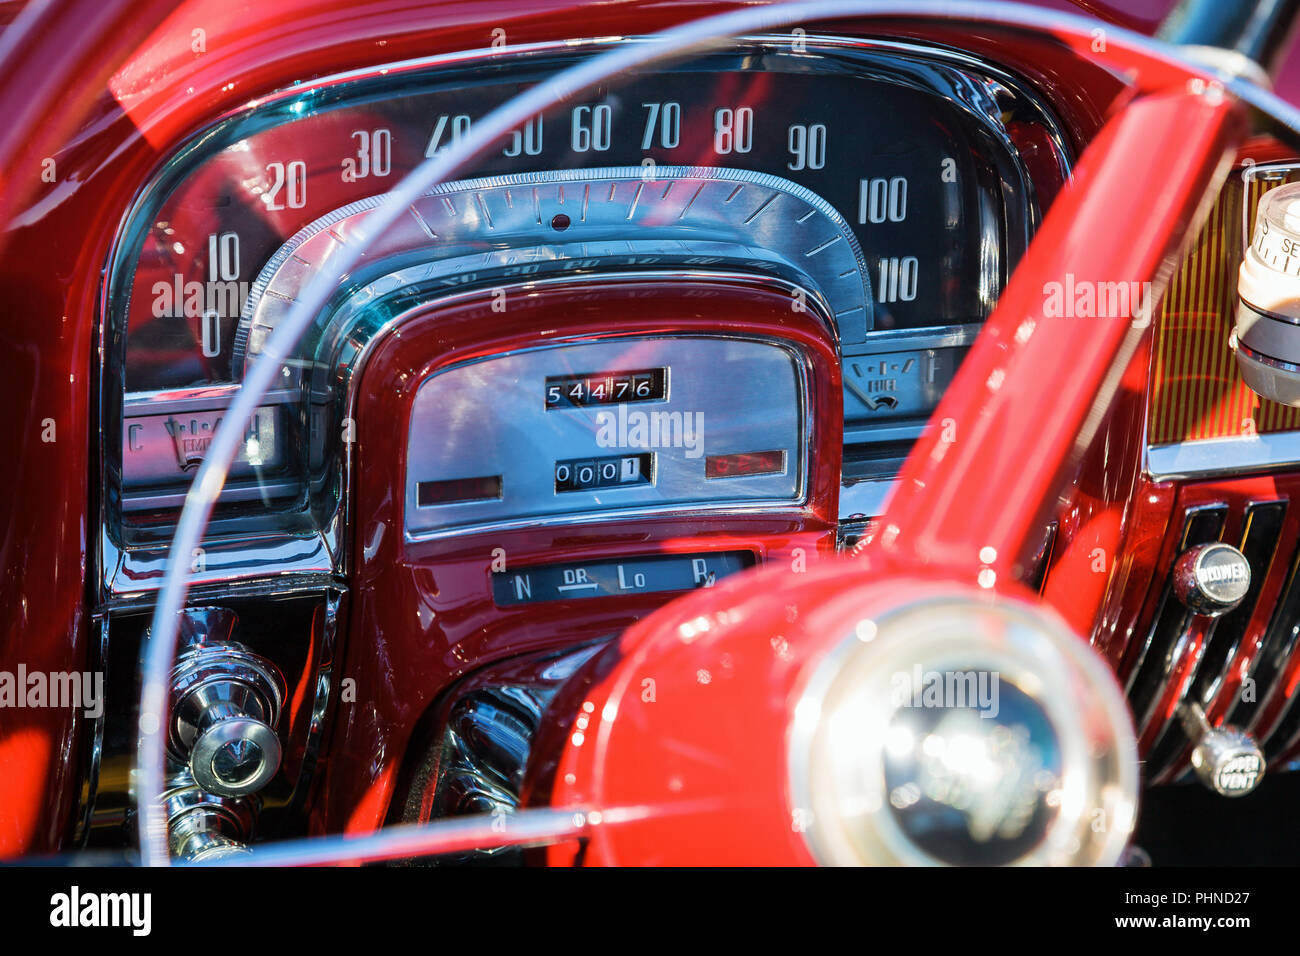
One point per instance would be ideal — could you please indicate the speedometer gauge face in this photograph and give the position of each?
(919, 180)
(891, 181)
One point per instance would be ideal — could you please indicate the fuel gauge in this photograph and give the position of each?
(893, 386)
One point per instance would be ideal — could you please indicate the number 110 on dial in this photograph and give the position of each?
(884, 200)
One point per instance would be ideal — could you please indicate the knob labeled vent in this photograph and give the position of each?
(1225, 758)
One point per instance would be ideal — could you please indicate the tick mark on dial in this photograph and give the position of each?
(816, 249)
(755, 214)
(482, 206)
(691, 202)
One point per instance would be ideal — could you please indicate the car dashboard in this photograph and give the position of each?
(897, 227)
(677, 329)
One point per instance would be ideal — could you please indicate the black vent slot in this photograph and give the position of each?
(1279, 643)
(1259, 537)
(1172, 619)
(1258, 544)
(1283, 732)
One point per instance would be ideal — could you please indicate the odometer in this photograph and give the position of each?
(607, 388)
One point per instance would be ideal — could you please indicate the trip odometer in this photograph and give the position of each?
(909, 160)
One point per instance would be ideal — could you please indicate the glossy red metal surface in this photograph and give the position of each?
(1097, 548)
(1006, 438)
(175, 84)
(719, 798)
(423, 613)
(53, 61)
(59, 239)
(679, 734)
(1142, 524)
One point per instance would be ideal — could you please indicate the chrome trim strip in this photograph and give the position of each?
(1223, 456)
(860, 435)
(716, 229)
(322, 695)
(232, 493)
(487, 831)
(195, 399)
(273, 561)
(1268, 172)
(933, 337)
(864, 499)
(94, 740)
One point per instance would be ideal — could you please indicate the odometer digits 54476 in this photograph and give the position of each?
(606, 388)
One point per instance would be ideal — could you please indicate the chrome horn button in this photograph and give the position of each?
(972, 785)
(964, 730)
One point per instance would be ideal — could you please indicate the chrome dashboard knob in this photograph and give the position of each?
(203, 827)
(225, 704)
(1211, 578)
(1226, 758)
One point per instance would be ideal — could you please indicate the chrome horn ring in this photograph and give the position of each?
(964, 731)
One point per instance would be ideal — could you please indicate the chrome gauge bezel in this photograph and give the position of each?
(706, 227)
(786, 490)
(304, 539)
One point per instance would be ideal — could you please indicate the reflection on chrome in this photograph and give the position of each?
(1047, 776)
(972, 790)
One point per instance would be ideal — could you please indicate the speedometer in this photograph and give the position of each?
(903, 215)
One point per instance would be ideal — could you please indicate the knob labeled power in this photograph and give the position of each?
(225, 704)
(1212, 578)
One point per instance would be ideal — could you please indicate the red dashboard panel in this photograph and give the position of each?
(424, 615)
(1238, 667)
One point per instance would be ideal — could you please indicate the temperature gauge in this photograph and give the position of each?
(1267, 336)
